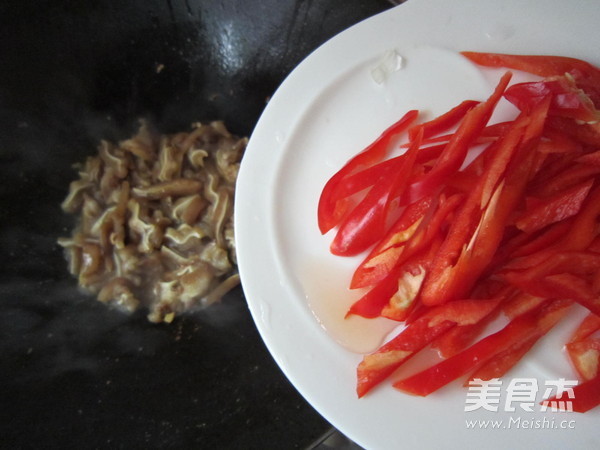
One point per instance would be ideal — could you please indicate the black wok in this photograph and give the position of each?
(75, 373)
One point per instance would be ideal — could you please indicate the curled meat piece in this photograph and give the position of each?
(154, 220)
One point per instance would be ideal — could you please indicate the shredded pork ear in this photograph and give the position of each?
(155, 225)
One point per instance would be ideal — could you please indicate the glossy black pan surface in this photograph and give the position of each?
(74, 373)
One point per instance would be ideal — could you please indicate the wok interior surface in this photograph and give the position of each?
(73, 371)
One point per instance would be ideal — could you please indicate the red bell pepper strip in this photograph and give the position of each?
(518, 330)
(584, 133)
(590, 158)
(555, 142)
(366, 223)
(520, 303)
(556, 208)
(586, 328)
(551, 166)
(526, 244)
(455, 152)
(402, 303)
(371, 175)
(500, 364)
(571, 286)
(457, 339)
(443, 122)
(567, 99)
(470, 246)
(557, 274)
(509, 156)
(585, 74)
(587, 396)
(578, 237)
(329, 212)
(584, 228)
(401, 277)
(585, 356)
(384, 256)
(568, 178)
(417, 227)
(377, 366)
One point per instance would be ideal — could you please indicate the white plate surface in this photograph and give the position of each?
(328, 109)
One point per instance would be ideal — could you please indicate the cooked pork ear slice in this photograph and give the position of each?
(155, 225)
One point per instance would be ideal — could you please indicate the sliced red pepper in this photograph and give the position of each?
(329, 212)
(366, 223)
(521, 303)
(552, 166)
(557, 274)
(409, 236)
(384, 256)
(457, 339)
(566, 285)
(585, 356)
(555, 208)
(578, 237)
(577, 173)
(455, 152)
(366, 178)
(499, 365)
(443, 122)
(567, 99)
(583, 133)
(371, 304)
(586, 328)
(590, 158)
(470, 246)
(403, 301)
(514, 334)
(585, 74)
(584, 228)
(509, 156)
(527, 244)
(586, 396)
(375, 300)
(555, 142)
(377, 366)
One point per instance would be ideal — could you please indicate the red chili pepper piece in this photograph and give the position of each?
(585, 356)
(568, 178)
(455, 152)
(555, 142)
(586, 328)
(402, 280)
(443, 122)
(329, 212)
(498, 366)
(514, 334)
(555, 208)
(584, 133)
(384, 256)
(379, 365)
(567, 99)
(404, 299)
(366, 223)
(587, 396)
(474, 234)
(585, 74)
(457, 339)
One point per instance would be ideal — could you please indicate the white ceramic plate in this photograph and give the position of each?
(328, 109)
